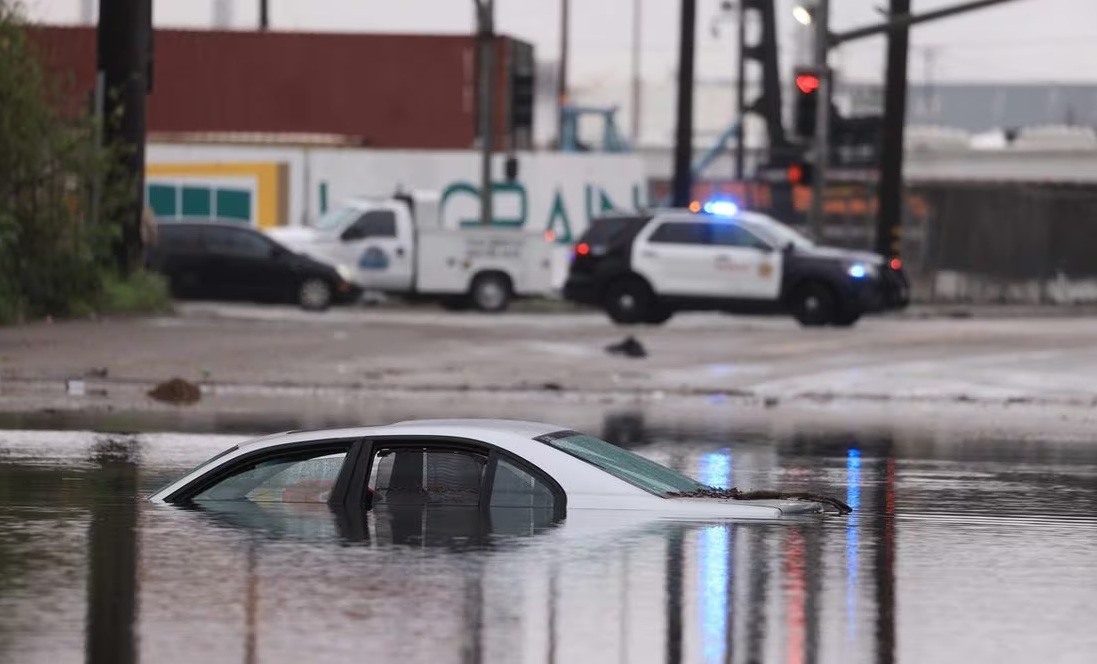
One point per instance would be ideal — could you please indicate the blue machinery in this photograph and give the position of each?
(612, 141)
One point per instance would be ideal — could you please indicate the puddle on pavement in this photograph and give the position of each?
(973, 551)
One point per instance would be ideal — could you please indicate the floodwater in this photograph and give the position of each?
(963, 550)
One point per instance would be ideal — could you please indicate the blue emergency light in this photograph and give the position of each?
(721, 208)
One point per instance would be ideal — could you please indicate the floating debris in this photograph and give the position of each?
(177, 391)
(630, 347)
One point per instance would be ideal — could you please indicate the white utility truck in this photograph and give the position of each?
(401, 246)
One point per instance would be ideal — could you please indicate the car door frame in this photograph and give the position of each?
(356, 496)
(763, 266)
(674, 269)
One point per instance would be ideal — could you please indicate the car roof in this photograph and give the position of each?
(457, 427)
(215, 223)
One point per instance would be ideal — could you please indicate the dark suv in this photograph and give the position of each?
(226, 261)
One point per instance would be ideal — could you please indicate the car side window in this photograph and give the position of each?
(417, 476)
(302, 477)
(237, 243)
(734, 235)
(514, 487)
(375, 223)
(178, 239)
(681, 232)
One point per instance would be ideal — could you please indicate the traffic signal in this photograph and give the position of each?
(801, 173)
(521, 88)
(806, 101)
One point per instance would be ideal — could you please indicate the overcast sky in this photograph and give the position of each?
(1030, 40)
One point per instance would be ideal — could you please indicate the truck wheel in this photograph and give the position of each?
(314, 295)
(459, 303)
(629, 301)
(814, 305)
(490, 292)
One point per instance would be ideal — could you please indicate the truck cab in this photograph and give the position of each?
(400, 245)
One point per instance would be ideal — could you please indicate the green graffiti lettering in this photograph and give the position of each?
(468, 189)
(605, 203)
(559, 214)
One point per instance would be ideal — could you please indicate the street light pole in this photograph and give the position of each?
(637, 29)
(740, 94)
(264, 15)
(485, 32)
(562, 82)
(683, 138)
(821, 21)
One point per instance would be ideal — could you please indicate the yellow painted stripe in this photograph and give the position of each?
(270, 183)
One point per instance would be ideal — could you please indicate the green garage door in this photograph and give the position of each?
(184, 201)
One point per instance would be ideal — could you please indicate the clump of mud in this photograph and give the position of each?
(177, 391)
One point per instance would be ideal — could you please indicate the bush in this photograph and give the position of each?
(140, 292)
(53, 254)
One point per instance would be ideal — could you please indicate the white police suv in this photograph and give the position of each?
(643, 267)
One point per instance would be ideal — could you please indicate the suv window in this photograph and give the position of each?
(237, 243)
(605, 230)
(375, 223)
(734, 235)
(178, 239)
(681, 232)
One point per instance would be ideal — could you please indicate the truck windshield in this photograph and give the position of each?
(622, 464)
(335, 219)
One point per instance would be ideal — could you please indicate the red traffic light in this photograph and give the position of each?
(795, 174)
(807, 83)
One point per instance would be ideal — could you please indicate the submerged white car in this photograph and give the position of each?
(487, 464)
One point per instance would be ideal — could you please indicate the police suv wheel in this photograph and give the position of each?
(660, 315)
(314, 295)
(847, 319)
(490, 293)
(814, 305)
(629, 301)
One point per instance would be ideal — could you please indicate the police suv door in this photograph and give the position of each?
(747, 267)
(700, 257)
(379, 247)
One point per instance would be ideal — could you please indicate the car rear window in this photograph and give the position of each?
(607, 230)
(178, 238)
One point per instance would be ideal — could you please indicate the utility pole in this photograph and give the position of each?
(124, 44)
(562, 78)
(683, 139)
(889, 193)
(741, 95)
(485, 22)
(637, 36)
(822, 117)
(264, 15)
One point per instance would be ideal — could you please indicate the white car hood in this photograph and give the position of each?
(303, 240)
(293, 235)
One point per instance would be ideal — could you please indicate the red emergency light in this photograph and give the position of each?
(807, 83)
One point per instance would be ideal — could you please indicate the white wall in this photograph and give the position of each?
(571, 184)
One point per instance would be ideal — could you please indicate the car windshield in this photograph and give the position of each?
(775, 233)
(622, 464)
(336, 219)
